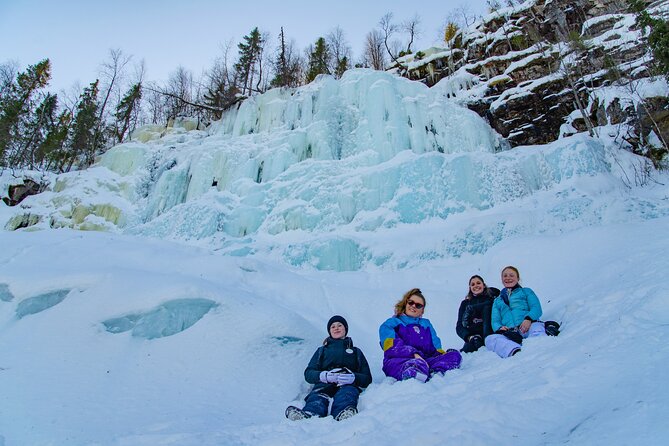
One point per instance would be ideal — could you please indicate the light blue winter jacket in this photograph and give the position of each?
(522, 302)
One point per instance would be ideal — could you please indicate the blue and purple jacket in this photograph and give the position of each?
(402, 336)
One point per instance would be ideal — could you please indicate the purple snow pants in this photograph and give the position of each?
(405, 368)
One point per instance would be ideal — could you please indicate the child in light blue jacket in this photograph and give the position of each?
(515, 316)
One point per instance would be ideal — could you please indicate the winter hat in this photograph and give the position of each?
(337, 318)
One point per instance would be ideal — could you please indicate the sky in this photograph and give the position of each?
(77, 35)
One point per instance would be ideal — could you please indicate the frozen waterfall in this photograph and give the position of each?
(315, 175)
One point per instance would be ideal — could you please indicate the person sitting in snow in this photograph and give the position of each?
(515, 316)
(474, 314)
(339, 371)
(411, 347)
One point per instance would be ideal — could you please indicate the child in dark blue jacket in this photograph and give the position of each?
(339, 371)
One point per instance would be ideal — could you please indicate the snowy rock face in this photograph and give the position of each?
(518, 68)
(318, 176)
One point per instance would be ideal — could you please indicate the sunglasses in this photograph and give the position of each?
(415, 304)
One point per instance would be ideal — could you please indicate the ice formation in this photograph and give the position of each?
(5, 294)
(37, 304)
(313, 175)
(166, 319)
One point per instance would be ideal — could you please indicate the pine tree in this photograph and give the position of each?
(342, 66)
(286, 65)
(51, 151)
(249, 56)
(16, 106)
(319, 60)
(658, 37)
(82, 140)
(127, 112)
(281, 64)
(221, 90)
(37, 127)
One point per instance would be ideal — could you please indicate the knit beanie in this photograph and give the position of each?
(337, 318)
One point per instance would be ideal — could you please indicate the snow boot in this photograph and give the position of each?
(346, 413)
(295, 413)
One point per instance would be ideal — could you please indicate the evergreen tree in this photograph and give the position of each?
(127, 112)
(319, 60)
(83, 139)
(37, 127)
(249, 56)
(17, 104)
(658, 38)
(221, 90)
(342, 66)
(51, 152)
(286, 67)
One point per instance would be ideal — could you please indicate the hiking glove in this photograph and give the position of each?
(345, 378)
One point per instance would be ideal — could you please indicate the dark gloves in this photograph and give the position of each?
(476, 341)
(552, 328)
(512, 334)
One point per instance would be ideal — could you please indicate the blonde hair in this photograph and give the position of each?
(513, 268)
(401, 306)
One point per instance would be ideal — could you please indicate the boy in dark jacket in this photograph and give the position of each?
(339, 371)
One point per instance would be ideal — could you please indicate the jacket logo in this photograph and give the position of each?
(416, 328)
(349, 351)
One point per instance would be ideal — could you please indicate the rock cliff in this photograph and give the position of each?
(545, 68)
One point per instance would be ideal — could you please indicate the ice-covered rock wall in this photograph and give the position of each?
(258, 156)
(321, 175)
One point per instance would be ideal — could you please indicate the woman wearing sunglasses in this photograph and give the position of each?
(411, 347)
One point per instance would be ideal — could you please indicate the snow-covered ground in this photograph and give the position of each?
(66, 380)
(191, 320)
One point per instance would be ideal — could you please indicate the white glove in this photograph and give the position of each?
(328, 377)
(344, 379)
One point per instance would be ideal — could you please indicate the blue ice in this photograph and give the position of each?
(40, 303)
(166, 319)
(5, 294)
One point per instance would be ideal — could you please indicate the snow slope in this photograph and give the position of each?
(191, 320)
(227, 378)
